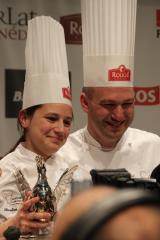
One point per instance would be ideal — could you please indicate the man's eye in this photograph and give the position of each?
(127, 105)
(108, 105)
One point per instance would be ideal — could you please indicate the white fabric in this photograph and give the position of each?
(108, 30)
(24, 160)
(47, 79)
(138, 152)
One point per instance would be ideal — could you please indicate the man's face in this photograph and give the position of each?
(110, 112)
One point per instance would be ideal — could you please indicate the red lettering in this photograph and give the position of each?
(72, 28)
(158, 17)
(147, 95)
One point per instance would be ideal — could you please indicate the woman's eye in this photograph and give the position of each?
(52, 119)
(67, 123)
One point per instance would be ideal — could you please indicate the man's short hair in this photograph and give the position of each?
(88, 91)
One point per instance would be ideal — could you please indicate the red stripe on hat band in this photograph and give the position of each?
(67, 93)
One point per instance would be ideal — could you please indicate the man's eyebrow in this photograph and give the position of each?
(105, 101)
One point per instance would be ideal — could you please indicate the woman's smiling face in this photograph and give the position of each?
(47, 129)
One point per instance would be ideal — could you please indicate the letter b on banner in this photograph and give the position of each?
(14, 81)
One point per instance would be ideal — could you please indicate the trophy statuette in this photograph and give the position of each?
(47, 201)
(48, 198)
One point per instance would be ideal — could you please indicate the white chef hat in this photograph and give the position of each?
(108, 30)
(46, 79)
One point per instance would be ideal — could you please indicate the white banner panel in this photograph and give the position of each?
(147, 65)
(14, 15)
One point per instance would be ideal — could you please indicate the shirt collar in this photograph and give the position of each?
(25, 152)
(92, 142)
(28, 153)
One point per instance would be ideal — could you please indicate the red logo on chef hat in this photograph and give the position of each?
(67, 93)
(119, 74)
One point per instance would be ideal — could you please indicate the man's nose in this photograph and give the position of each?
(118, 113)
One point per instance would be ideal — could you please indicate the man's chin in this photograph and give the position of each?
(116, 133)
(116, 129)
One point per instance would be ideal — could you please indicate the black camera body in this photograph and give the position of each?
(121, 178)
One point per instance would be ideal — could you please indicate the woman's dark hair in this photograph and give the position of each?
(29, 113)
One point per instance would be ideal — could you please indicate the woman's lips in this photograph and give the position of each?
(56, 139)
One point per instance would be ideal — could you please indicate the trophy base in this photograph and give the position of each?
(28, 236)
(37, 235)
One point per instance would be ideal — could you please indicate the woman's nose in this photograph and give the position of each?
(59, 127)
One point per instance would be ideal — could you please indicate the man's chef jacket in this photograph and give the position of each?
(138, 152)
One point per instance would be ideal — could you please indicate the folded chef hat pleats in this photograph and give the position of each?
(108, 31)
(47, 79)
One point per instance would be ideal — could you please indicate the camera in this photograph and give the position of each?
(121, 178)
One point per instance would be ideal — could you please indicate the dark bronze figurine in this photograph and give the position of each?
(47, 202)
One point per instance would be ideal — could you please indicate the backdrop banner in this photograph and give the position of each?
(14, 16)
